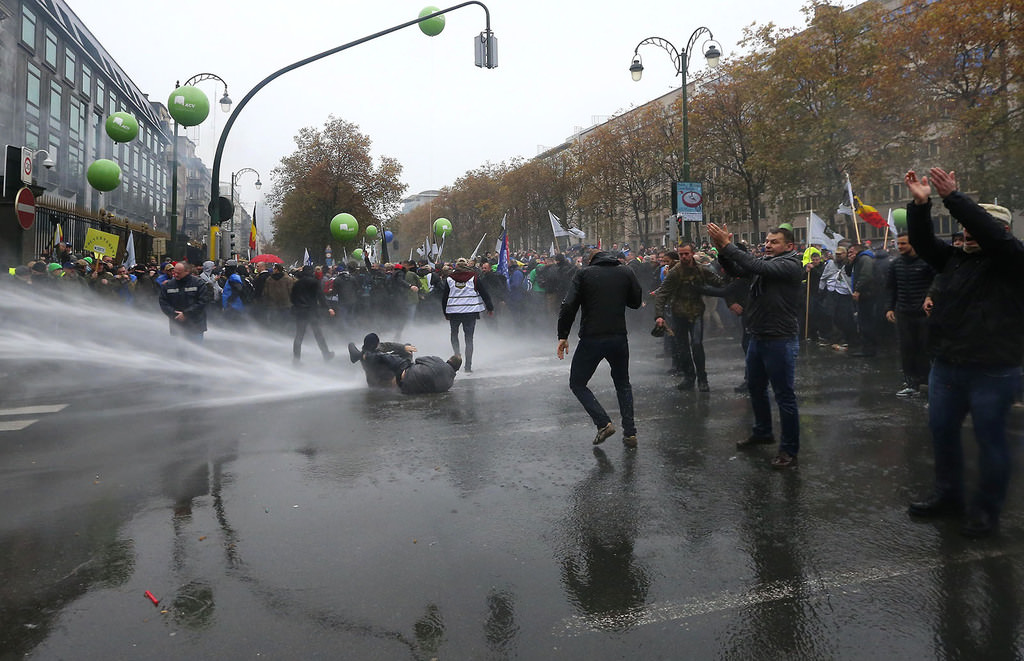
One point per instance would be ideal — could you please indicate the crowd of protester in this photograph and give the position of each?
(850, 293)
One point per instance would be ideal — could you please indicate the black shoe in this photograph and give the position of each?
(741, 388)
(354, 354)
(673, 372)
(702, 385)
(329, 356)
(935, 506)
(603, 433)
(686, 384)
(979, 525)
(455, 362)
(629, 441)
(755, 440)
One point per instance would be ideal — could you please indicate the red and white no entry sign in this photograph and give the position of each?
(25, 208)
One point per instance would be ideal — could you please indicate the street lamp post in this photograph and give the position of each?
(225, 105)
(485, 49)
(680, 60)
(234, 178)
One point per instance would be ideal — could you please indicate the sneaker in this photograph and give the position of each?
(935, 507)
(783, 460)
(603, 433)
(755, 440)
(702, 385)
(629, 441)
(908, 391)
(354, 354)
(455, 361)
(979, 525)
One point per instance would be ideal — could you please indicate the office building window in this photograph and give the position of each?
(32, 134)
(28, 27)
(55, 106)
(70, 66)
(50, 54)
(87, 79)
(32, 91)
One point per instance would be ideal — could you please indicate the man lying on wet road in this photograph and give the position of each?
(388, 364)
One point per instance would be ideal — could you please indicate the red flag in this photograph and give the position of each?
(869, 214)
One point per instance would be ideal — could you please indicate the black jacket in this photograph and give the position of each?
(604, 290)
(774, 301)
(978, 317)
(190, 295)
(307, 295)
(909, 280)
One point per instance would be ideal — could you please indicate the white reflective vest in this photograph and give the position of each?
(463, 297)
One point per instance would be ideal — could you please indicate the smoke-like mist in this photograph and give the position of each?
(58, 344)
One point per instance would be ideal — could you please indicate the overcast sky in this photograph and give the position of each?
(563, 65)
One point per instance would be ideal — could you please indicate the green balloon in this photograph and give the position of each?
(344, 227)
(122, 127)
(104, 175)
(442, 227)
(188, 105)
(357, 254)
(899, 218)
(371, 232)
(432, 26)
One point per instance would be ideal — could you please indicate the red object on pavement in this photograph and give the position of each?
(149, 595)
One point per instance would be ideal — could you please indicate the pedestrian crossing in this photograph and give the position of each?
(23, 416)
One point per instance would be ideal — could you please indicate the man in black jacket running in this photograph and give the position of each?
(603, 289)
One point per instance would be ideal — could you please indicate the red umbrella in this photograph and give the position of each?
(267, 257)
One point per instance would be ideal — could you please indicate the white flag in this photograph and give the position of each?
(129, 251)
(892, 224)
(556, 226)
(306, 261)
(818, 233)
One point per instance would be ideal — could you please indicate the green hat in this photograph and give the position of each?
(52, 266)
(89, 259)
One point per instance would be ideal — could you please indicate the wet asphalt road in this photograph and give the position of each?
(331, 522)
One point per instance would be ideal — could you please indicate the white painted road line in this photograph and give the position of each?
(771, 592)
(16, 425)
(33, 410)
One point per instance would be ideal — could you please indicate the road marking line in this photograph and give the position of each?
(33, 410)
(16, 425)
(774, 591)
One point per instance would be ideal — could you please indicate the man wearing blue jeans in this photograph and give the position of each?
(603, 290)
(976, 339)
(772, 319)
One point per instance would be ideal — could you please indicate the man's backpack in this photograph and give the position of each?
(248, 292)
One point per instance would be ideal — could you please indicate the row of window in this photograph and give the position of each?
(57, 109)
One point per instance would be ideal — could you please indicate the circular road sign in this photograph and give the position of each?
(25, 208)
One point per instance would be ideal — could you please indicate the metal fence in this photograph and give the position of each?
(74, 222)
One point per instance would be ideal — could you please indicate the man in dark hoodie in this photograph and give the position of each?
(604, 289)
(772, 319)
(389, 364)
(867, 286)
(307, 297)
